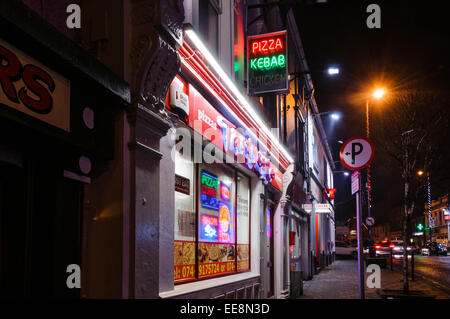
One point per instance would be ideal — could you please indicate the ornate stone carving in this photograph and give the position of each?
(172, 17)
(156, 31)
(164, 66)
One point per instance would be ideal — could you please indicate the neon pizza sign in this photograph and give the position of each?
(209, 185)
(267, 61)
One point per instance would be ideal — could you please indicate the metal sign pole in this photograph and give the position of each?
(357, 153)
(360, 241)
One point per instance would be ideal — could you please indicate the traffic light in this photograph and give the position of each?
(419, 226)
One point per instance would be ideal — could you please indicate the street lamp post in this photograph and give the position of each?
(429, 204)
(405, 142)
(368, 169)
(377, 94)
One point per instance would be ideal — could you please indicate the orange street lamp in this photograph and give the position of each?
(378, 93)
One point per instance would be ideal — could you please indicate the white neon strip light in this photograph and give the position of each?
(231, 111)
(230, 84)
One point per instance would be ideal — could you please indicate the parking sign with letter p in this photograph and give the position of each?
(357, 153)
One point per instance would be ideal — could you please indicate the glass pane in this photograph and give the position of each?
(243, 222)
(217, 221)
(184, 244)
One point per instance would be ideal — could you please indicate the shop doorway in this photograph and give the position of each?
(40, 233)
(269, 282)
(12, 231)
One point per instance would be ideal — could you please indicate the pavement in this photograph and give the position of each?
(340, 281)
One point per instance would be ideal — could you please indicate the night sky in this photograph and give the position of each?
(411, 49)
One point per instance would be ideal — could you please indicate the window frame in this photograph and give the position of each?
(236, 171)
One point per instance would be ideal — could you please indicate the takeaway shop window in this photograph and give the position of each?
(212, 221)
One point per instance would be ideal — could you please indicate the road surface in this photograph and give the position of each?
(434, 268)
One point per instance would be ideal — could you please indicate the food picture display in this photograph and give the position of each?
(184, 260)
(243, 262)
(215, 259)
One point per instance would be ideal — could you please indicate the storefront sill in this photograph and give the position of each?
(206, 284)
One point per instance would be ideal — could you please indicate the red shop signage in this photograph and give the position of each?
(209, 122)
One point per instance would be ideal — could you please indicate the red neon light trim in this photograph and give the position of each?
(218, 87)
(233, 104)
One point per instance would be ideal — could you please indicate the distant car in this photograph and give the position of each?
(346, 249)
(383, 248)
(397, 251)
(434, 248)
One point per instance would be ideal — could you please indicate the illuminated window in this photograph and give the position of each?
(220, 211)
(184, 245)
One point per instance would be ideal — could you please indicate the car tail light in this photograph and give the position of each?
(377, 246)
(391, 246)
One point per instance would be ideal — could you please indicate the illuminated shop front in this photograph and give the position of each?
(221, 205)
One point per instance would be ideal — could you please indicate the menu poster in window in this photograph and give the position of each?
(243, 262)
(215, 259)
(184, 260)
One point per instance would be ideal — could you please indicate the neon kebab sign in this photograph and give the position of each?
(266, 47)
